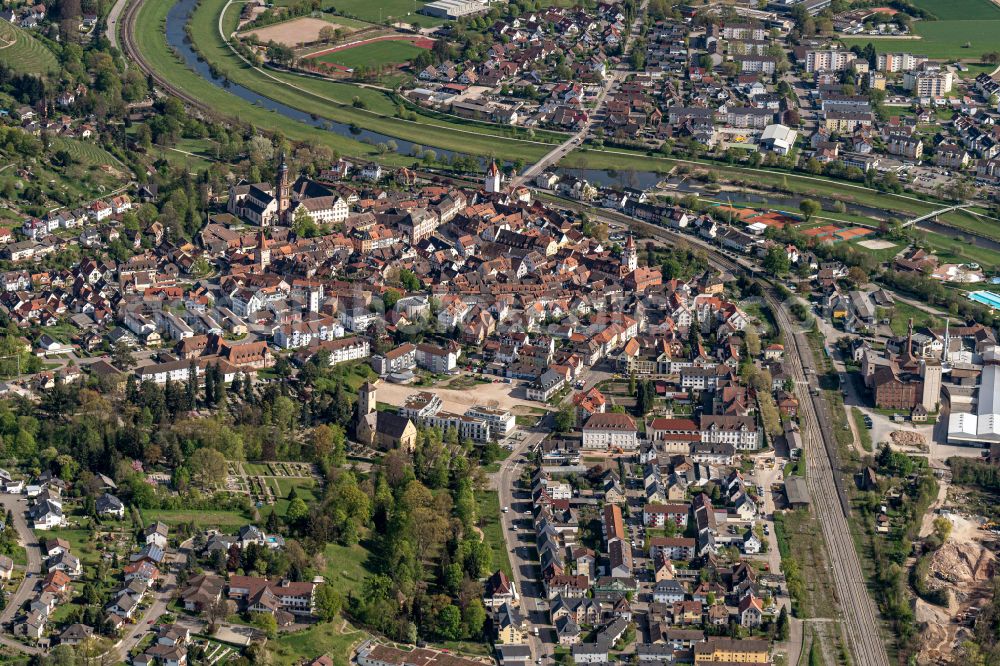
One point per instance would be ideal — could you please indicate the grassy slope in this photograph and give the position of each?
(335, 639)
(220, 519)
(334, 101)
(26, 54)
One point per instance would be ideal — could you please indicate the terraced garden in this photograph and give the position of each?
(20, 51)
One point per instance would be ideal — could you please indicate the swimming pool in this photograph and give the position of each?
(989, 298)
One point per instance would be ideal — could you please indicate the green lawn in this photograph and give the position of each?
(203, 519)
(345, 566)
(24, 53)
(488, 512)
(374, 54)
(902, 312)
(317, 640)
(257, 469)
(81, 543)
(303, 487)
(863, 432)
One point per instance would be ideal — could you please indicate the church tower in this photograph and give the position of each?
(492, 184)
(262, 254)
(366, 399)
(284, 190)
(630, 256)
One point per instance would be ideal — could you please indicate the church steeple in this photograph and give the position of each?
(262, 255)
(493, 178)
(630, 255)
(284, 193)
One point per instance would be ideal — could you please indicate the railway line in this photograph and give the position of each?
(829, 498)
(127, 25)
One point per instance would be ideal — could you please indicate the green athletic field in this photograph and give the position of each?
(374, 54)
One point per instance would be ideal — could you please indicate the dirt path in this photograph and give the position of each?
(506, 396)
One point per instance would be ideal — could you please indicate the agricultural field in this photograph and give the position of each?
(372, 54)
(382, 12)
(23, 53)
(959, 23)
(959, 10)
(296, 32)
(85, 152)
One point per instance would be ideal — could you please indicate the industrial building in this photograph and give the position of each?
(454, 9)
(982, 425)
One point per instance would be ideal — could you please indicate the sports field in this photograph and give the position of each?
(23, 53)
(975, 23)
(303, 30)
(373, 54)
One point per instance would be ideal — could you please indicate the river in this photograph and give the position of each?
(179, 15)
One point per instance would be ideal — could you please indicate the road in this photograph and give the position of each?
(18, 505)
(570, 144)
(861, 621)
(518, 527)
(112, 30)
(161, 598)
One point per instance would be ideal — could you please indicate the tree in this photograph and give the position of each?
(449, 622)
(857, 275)
(273, 523)
(297, 510)
(942, 528)
(752, 340)
(782, 628)
(208, 468)
(809, 208)
(329, 602)
(565, 418)
(776, 261)
(266, 623)
(121, 357)
(474, 617)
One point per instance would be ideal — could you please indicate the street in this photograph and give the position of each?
(518, 527)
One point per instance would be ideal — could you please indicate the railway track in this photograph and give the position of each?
(127, 23)
(829, 498)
